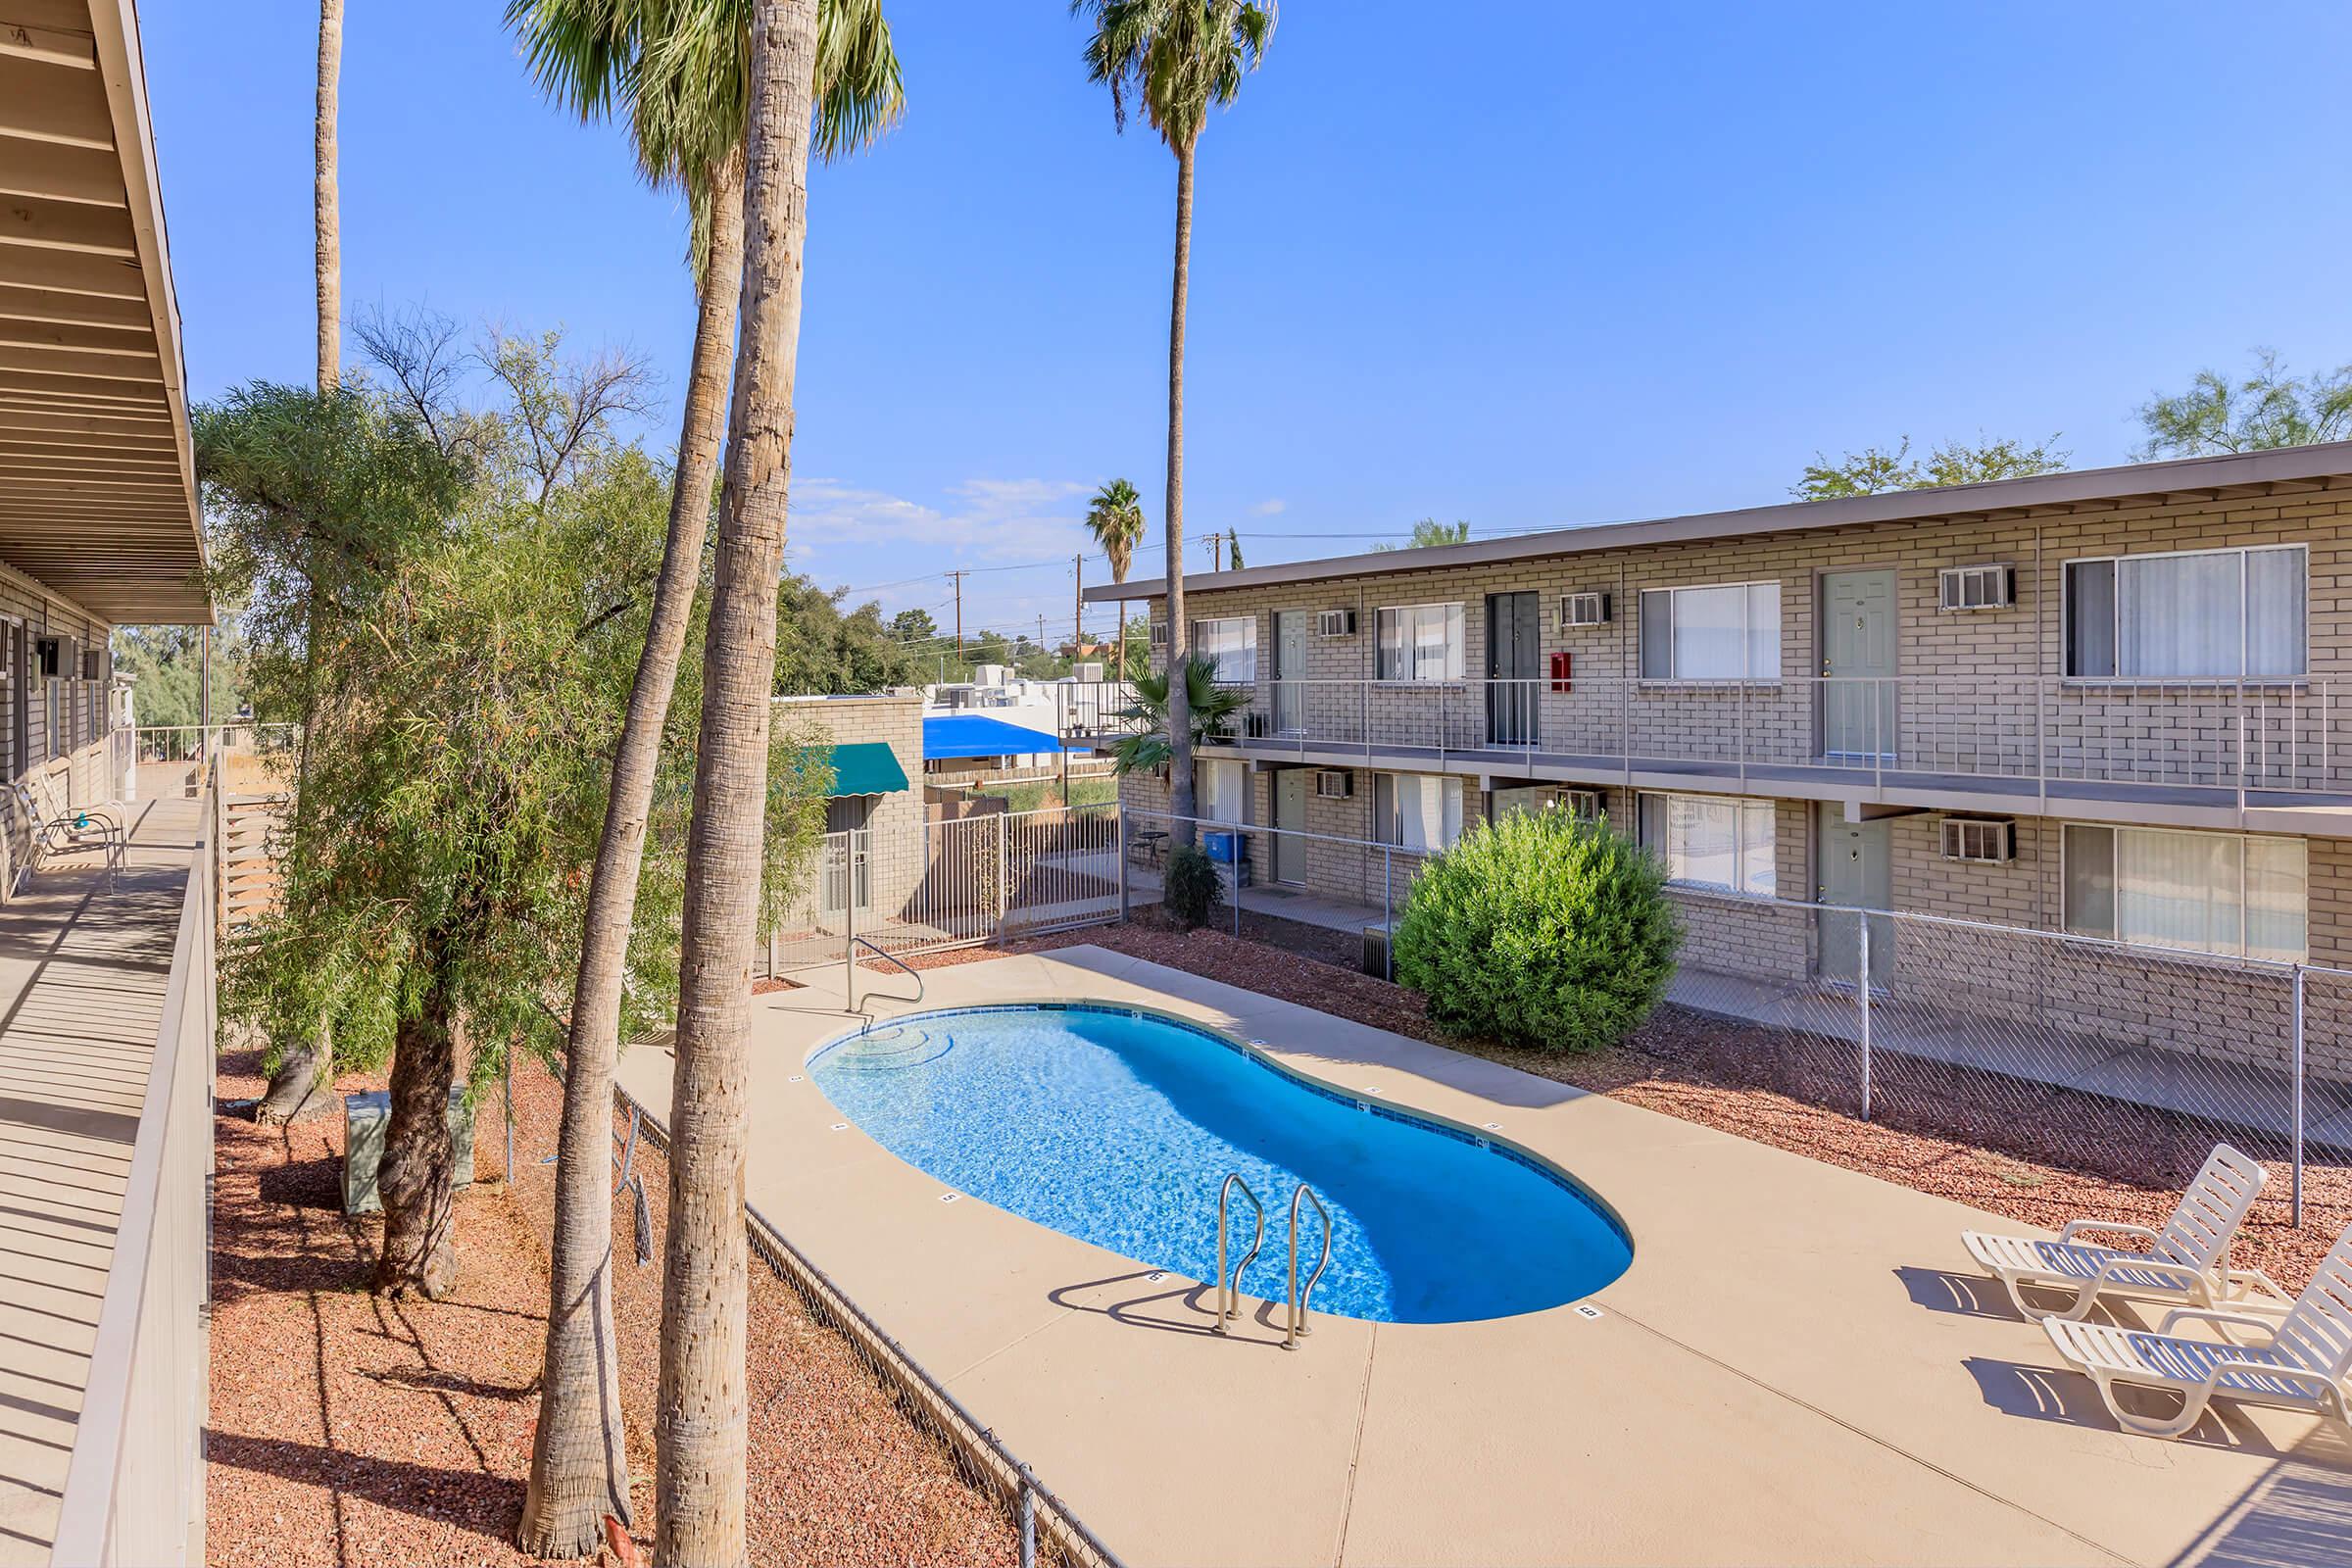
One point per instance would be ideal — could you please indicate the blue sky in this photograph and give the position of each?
(1555, 263)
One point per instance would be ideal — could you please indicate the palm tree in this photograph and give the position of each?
(1179, 58)
(326, 215)
(678, 67)
(1206, 707)
(1116, 517)
(299, 1090)
(700, 1436)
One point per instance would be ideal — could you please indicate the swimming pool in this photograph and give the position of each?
(1117, 1127)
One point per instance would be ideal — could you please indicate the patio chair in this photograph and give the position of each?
(2188, 1261)
(2302, 1367)
(58, 829)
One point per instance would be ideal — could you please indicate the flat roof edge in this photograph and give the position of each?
(2075, 487)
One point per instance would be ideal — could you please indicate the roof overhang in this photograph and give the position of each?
(98, 498)
(2248, 473)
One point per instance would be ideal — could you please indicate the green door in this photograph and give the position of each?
(1856, 873)
(1858, 665)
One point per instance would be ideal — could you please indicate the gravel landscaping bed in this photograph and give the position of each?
(2036, 1154)
(346, 1429)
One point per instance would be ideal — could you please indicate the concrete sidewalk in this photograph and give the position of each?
(1797, 1367)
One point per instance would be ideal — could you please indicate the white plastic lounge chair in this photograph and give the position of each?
(2190, 1262)
(2302, 1367)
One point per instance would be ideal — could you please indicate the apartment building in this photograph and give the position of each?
(2106, 702)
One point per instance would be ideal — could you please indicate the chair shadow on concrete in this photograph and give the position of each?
(1962, 1294)
(1168, 1306)
(2298, 1515)
(2035, 1392)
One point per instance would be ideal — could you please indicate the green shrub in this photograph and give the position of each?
(1539, 930)
(1189, 885)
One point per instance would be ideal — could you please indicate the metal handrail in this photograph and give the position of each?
(1229, 1294)
(1297, 1325)
(896, 961)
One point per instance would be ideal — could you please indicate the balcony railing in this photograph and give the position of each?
(2013, 733)
(134, 1486)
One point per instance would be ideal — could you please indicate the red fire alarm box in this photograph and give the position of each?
(1560, 671)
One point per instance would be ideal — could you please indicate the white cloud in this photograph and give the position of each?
(982, 521)
(1269, 507)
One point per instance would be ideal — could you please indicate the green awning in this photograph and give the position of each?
(866, 767)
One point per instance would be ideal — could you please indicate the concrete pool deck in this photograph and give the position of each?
(1798, 1366)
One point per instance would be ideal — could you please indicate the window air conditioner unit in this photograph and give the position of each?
(1975, 587)
(1987, 841)
(1334, 784)
(1335, 623)
(1584, 609)
(1583, 805)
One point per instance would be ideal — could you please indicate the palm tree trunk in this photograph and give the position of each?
(417, 1179)
(300, 1089)
(580, 1460)
(1179, 719)
(328, 216)
(700, 1422)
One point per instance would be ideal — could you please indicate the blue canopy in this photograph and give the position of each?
(978, 735)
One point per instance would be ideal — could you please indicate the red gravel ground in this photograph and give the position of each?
(2036, 1154)
(348, 1430)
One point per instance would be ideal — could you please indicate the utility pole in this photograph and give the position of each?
(1077, 607)
(958, 576)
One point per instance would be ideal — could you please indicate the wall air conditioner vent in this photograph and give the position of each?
(1335, 623)
(1985, 841)
(1584, 609)
(1334, 784)
(1975, 587)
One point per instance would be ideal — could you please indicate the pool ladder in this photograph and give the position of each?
(1229, 1286)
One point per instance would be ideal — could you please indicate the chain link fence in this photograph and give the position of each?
(2108, 1057)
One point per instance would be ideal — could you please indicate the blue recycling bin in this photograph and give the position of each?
(1230, 851)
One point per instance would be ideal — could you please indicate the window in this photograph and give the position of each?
(1503, 803)
(1712, 840)
(2206, 891)
(1221, 791)
(1730, 631)
(2226, 614)
(1420, 811)
(1231, 645)
(1419, 642)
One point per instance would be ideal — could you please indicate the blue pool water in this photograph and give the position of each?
(1117, 1128)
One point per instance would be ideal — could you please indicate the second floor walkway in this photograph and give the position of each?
(84, 970)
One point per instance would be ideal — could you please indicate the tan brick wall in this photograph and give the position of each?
(1967, 698)
(896, 847)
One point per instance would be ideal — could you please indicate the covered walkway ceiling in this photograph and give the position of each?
(97, 483)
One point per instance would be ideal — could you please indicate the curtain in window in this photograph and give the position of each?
(1711, 842)
(1231, 645)
(1222, 791)
(2206, 891)
(2274, 599)
(2211, 616)
(1710, 632)
(2182, 615)
(1420, 811)
(2180, 890)
(1419, 642)
(1727, 632)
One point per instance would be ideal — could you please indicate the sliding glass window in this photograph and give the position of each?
(2204, 615)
